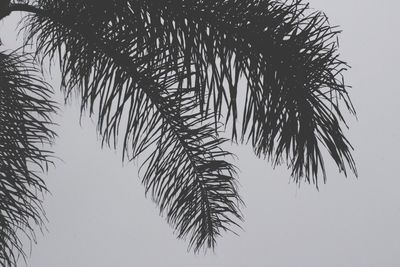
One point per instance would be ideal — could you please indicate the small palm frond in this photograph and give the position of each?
(185, 171)
(188, 176)
(24, 129)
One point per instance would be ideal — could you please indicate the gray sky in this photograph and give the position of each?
(98, 215)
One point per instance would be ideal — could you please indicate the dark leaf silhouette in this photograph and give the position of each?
(24, 129)
(162, 78)
(186, 172)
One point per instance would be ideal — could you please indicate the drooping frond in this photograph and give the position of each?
(24, 130)
(166, 67)
(287, 54)
(185, 171)
(189, 178)
(289, 58)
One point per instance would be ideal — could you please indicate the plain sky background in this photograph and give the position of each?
(98, 215)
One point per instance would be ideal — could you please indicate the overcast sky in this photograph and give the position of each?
(98, 215)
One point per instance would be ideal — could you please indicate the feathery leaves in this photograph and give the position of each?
(186, 171)
(24, 129)
(170, 71)
(289, 58)
(287, 54)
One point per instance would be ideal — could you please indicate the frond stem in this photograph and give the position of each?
(26, 8)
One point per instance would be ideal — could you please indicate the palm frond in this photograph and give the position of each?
(189, 178)
(166, 65)
(24, 129)
(186, 171)
(287, 54)
(289, 58)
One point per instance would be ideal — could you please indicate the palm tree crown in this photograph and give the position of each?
(163, 78)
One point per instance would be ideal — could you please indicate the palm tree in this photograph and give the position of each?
(164, 79)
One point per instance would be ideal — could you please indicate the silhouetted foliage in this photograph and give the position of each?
(163, 77)
(25, 108)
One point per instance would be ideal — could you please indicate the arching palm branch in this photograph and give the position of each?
(163, 77)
